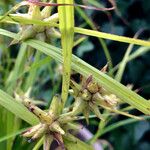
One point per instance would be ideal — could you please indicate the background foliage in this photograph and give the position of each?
(137, 72)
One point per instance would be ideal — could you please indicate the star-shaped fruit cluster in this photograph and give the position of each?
(51, 127)
(89, 97)
(55, 123)
(40, 32)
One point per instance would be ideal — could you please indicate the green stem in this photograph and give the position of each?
(38, 144)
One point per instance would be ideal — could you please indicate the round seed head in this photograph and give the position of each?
(86, 95)
(93, 87)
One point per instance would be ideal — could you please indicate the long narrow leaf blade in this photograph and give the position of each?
(110, 84)
(18, 109)
(66, 25)
(112, 37)
(82, 67)
(78, 30)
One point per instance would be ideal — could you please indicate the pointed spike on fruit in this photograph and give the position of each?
(53, 19)
(75, 87)
(96, 111)
(48, 139)
(46, 12)
(72, 126)
(111, 100)
(73, 84)
(17, 97)
(40, 132)
(13, 42)
(66, 116)
(31, 131)
(58, 137)
(55, 106)
(104, 69)
(107, 100)
(70, 138)
(55, 127)
(98, 98)
(103, 91)
(77, 108)
(52, 33)
(88, 80)
(86, 115)
(27, 33)
(43, 116)
(36, 13)
(27, 93)
(79, 105)
(67, 119)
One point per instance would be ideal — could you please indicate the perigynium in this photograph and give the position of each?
(51, 127)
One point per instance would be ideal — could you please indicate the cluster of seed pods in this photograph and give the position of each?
(51, 126)
(89, 96)
(55, 125)
(43, 33)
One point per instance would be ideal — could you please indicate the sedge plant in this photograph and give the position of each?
(96, 92)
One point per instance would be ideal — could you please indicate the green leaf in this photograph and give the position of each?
(102, 42)
(16, 108)
(104, 80)
(122, 123)
(66, 25)
(17, 19)
(108, 83)
(32, 73)
(39, 144)
(19, 65)
(4, 138)
(112, 37)
(140, 51)
(77, 144)
(123, 63)
(20, 19)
